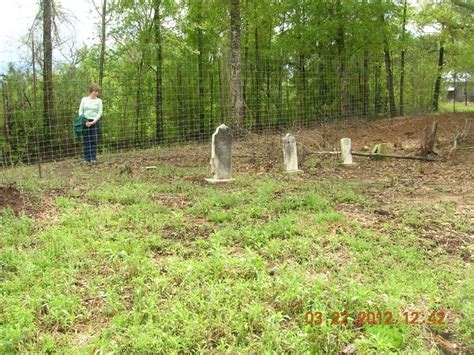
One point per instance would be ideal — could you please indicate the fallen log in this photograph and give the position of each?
(372, 155)
(395, 156)
(337, 152)
(332, 152)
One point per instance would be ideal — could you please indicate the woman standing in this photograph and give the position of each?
(91, 108)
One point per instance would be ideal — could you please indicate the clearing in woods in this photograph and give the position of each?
(158, 260)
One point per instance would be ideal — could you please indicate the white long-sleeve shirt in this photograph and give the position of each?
(91, 108)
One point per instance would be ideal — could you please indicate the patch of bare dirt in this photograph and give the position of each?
(393, 186)
(41, 207)
(402, 134)
(11, 197)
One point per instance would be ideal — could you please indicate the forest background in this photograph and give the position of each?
(173, 70)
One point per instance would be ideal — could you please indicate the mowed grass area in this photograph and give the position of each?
(160, 261)
(460, 107)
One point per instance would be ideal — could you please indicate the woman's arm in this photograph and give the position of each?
(99, 113)
(81, 107)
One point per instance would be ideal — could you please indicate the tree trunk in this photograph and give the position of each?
(455, 91)
(35, 105)
(235, 81)
(257, 72)
(6, 123)
(344, 95)
(323, 89)
(102, 44)
(288, 116)
(221, 92)
(402, 61)
(389, 72)
(48, 103)
(268, 114)
(180, 91)
(303, 103)
(138, 102)
(201, 73)
(365, 85)
(465, 92)
(159, 60)
(281, 119)
(257, 83)
(201, 86)
(211, 103)
(245, 65)
(377, 90)
(437, 87)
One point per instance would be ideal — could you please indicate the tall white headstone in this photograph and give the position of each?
(346, 150)
(290, 156)
(221, 154)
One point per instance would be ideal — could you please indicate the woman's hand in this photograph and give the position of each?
(88, 124)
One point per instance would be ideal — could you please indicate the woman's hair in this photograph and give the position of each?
(94, 87)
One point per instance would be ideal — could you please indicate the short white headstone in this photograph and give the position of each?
(290, 156)
(221, 154)
(346, 150)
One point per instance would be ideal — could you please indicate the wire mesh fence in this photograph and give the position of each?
(183, 99)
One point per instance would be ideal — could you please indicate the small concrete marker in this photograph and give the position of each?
(290, 155)
(346, 149)
(221, 155)
(380, 148)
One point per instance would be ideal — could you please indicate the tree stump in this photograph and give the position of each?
(460, 136)
(429, 140)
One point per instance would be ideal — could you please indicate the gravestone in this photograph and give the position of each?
(221, 155)
(290, 156)
(346, 149)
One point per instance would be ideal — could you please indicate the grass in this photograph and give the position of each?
(155, 262)
(460, 107)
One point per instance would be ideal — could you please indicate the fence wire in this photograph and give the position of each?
(184, 99)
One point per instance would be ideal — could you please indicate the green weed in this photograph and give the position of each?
(126, 267)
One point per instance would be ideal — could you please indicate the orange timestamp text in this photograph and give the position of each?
(375, 318)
